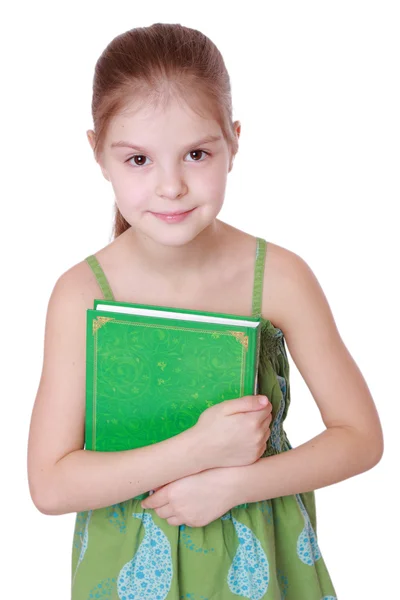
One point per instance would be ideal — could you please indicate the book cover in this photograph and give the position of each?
(149, 376)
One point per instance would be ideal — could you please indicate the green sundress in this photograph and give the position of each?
(261, 550)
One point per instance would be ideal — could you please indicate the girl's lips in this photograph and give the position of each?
(177, 218)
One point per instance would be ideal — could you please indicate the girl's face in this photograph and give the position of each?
(170, 167)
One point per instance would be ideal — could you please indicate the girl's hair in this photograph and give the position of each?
(151, 64)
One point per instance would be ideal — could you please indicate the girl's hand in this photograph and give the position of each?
(233, 433)
(196, 500)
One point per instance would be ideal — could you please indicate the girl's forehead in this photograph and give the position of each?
(150, 122)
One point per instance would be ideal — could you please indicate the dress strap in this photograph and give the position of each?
(258, 277)
(100, 277)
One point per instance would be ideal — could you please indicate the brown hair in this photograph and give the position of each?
(153, 63)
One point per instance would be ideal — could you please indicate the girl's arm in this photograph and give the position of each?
(63, 477)
(332, 456)
(353, 440)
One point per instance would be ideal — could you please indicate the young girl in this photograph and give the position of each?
(232, 514)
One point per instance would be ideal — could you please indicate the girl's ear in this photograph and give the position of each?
(92, 139)
(237, 128)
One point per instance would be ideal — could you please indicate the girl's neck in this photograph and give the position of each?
(175, 263)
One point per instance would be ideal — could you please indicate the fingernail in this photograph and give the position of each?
(264, 400)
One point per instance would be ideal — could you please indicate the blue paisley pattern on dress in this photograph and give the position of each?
(248, 574)
(186, 539)
(307, 546)
(84, 542)
(283, 582)
(103, 589)
(149, 574)
(116, 514)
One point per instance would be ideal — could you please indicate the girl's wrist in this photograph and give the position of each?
(231, 478)
(201, 457)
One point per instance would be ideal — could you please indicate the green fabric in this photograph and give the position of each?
(258, 277)
(267, 550)
(100, 276)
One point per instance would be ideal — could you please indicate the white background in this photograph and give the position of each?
(316, 88)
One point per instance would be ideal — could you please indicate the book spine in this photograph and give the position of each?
(252, 361)
(257, 361)
(89, 381)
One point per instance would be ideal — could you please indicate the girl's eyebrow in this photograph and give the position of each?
(206, 140)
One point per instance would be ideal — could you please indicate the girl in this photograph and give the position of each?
(233, 512)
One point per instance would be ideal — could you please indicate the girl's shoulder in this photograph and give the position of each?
(292, 295)
(281, 266)
(79, 280)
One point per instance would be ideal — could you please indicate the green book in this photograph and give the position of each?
(151, 371)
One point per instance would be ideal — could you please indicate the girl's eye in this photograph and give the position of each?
(142, 156)
(137, 156)
(198, 152)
